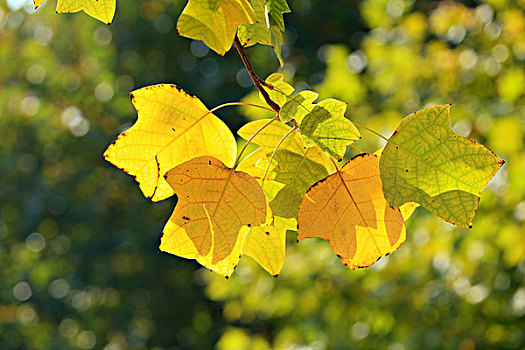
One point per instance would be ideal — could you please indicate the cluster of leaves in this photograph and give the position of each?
(228, 208)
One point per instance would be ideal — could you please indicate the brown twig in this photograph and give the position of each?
(256, 80)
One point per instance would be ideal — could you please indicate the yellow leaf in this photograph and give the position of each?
(103, 10)
(348, 210)
(266, 244)
(215, 202)
(214, 21)
(172, 127)
(37, 3)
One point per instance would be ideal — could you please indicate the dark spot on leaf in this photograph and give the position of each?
(185, 218)
(267, 233)
(209, 162)
(249, 225)
(276, 275)
(406, 170)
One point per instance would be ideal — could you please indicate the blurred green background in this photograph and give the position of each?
(79, 260)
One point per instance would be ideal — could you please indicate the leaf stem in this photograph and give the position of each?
(275, 150)
(256, 80)
(251, 138)
(238, 104)
(370, 130)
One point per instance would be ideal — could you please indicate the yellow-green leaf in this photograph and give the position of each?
(327, 126)
(266, 244)
(215, 21)
(426, 162)
(103, 10)
(297, 107)
(269, 27)
(215, 202)
(172, 127)
(348, 210)
(279, 91)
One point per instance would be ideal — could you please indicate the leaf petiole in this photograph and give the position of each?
(295, 127)
(254, 134)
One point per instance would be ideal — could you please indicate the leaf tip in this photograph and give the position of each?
(276, 275)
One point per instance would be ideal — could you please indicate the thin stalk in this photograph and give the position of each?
(251, 138)
(275, 150)
(370, 130)
(256, 80)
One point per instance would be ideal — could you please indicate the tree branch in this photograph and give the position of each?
(258, 82)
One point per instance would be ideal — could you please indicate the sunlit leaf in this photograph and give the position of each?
(103, 10)
(215, 21)
(172, 127)
(215, 202)
(326, 126)
(294, 165)
(280, 89)
(426, 162)
(268, 30)
(348, 210)
(266, 244)
(37, 3)
(298, 106)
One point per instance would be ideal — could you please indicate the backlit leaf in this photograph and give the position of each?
(266, 244)
(280, 89)
(323, 123)
(348, 210)
(215, 21)
(215, 202)
(426, 162)
(172, 127)
(268, 30)
(298, 106)
(103, 10)
(294, 165)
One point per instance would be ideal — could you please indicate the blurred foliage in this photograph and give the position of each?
(78, 242)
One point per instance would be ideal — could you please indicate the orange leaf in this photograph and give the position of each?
(349, 210)
(215, 202)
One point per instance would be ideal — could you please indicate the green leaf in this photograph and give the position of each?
(215, 21)
(327, 126)
(426, 162)
(279, 90)
(268, 30)
(296, 107)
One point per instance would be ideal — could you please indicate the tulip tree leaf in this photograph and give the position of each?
(269, 27)
(215, 21)
(266, 244)
(103, 10)
(348, 210)
(294, 165)
(323, 123)
(426, 162)
(215, 202)
(279, 90)
(172, 127)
